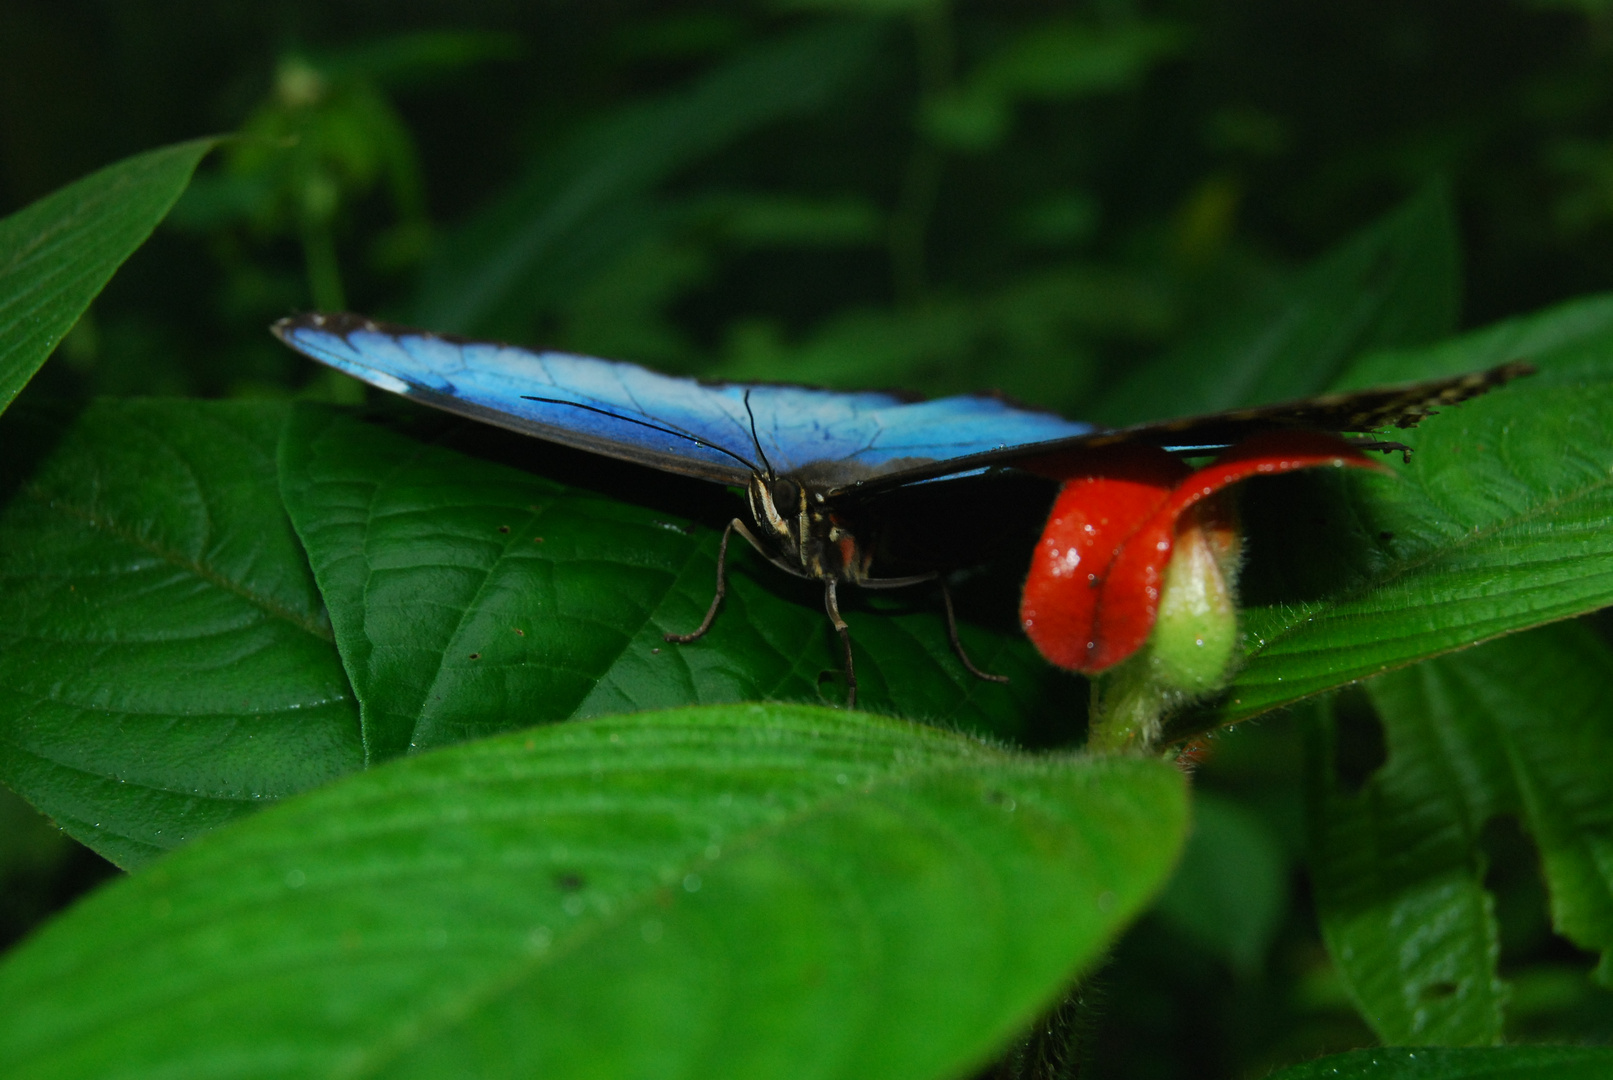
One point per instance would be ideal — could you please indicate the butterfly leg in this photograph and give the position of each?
(833, 607)
(722, 586)
(952, 621)
(957, 646)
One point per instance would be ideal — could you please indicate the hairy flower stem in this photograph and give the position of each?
(1127, 707)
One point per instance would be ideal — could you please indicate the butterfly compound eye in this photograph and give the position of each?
(787, 497)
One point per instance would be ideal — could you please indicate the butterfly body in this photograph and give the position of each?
(853, 488)
(803, 532)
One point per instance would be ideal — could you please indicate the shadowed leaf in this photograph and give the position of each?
(1517, 727)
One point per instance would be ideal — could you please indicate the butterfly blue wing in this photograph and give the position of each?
(677, 424)
(837, 442)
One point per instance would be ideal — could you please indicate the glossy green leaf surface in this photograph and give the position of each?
(58, 253)
(1519, 727)
(165, 662)
(469, 597)
(1500, 522)
(1396, 283)
(751, 891)
(1423, 1063)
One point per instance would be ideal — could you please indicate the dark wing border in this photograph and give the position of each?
(1356, 411)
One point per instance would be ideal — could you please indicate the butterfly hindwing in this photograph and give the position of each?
(1359, 412)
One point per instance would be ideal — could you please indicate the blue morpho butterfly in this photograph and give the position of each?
(831, 477)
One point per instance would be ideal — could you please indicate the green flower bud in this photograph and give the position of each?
(1195, 639)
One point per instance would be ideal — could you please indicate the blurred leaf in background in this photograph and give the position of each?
(1052, 61)
(588, 199)
(324, 143)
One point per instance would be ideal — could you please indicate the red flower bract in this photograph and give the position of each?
(1093, 592)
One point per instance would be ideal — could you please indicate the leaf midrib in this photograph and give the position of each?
(104, 523)
(430, 1022)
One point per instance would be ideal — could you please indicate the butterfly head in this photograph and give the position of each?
(799, 521)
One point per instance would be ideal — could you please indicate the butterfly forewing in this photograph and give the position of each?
(716, 431)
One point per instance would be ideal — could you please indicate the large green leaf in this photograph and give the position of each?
(576, 201)
(755, 891)
(1500, 522)
(469, 597)
(1396, 283)
(1520, 727)
(1498, 1063)
(165, 664)
(58, 253)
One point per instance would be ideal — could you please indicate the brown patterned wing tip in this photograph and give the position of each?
(1404, 406)
(1360, 411)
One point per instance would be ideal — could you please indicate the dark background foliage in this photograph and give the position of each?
(1029, 196)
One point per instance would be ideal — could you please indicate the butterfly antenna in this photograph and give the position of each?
(751, 465)
(754, 440)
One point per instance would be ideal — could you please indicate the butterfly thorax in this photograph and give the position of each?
(809, 537)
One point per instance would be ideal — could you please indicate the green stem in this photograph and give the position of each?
(1128, 708)
(1059, 1045)
(324, 276)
